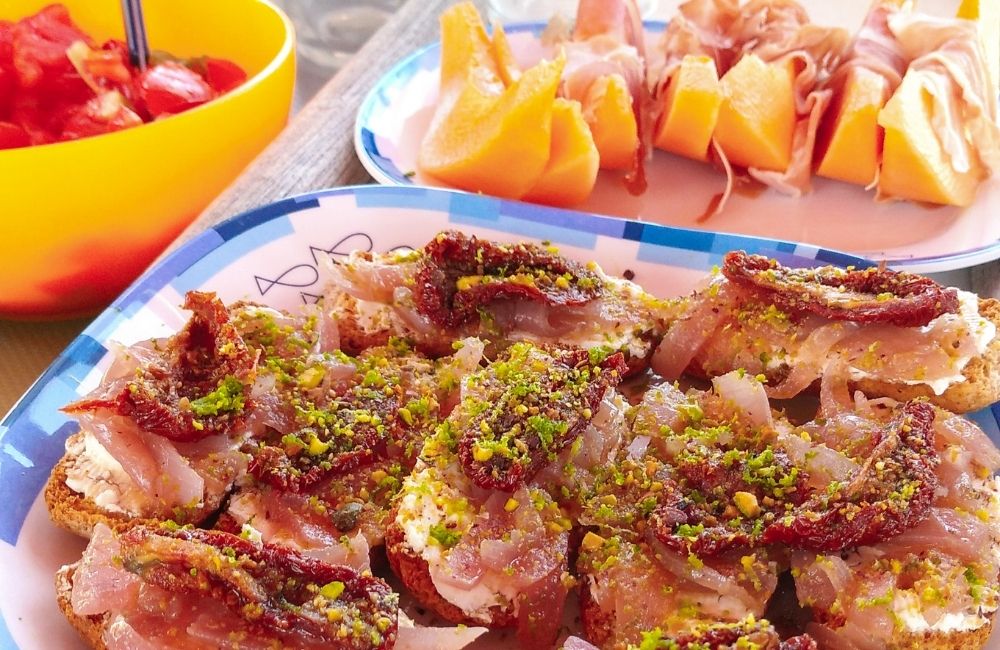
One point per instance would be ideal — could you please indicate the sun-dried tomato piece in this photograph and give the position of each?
(686, 527)
(529, 405)
(726, 636)
(278, 592)
(459, 274)
(891, 493)
(873, 295)
(197, 387)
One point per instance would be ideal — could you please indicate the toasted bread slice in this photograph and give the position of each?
(597, 622)
(966, 640)
(90, 628)
(79, 513)
(414, 572)
(361, 327)
(982, 377)
(75, 512)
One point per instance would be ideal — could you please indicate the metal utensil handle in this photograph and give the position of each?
(135, 33)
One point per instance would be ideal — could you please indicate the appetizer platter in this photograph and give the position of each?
(732, 117)
(405, 417)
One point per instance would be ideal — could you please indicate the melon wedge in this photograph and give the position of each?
(849, 139)
(607, 108)
(496, 143)
(503, 55)
(757, 115)
(914, 164)
(465, 46)
(571, 172)
(691, 108)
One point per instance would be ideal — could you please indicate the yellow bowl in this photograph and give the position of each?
(80, 220)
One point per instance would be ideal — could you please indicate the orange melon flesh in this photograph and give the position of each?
(914, 164)
(465, 46)
(494, 143)
(571, 172)
(607, 108)
(849, 140)
(757, 115)
(506, 64)
(691, 108)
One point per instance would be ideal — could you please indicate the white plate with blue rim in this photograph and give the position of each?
(271, 255)
(397, 111)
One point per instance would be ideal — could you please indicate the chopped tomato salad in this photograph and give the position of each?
(58, 84)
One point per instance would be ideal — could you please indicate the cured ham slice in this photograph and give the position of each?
(178, 588)
(337, 415)
(339, 515)
(458, 286)
(163, 428)
(795, 326)
(606, 51)
(945, 108)
(781, 35)
(477, 516)
(310, 527)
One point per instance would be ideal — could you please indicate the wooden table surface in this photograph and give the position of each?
(314, 152)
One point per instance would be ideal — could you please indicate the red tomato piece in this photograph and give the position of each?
(12, 136)
(102, 114)
(169, 88)
(39, 47)
(8, 84)
(223, 75)
(6, 40)
(43, 124)
(8, 80)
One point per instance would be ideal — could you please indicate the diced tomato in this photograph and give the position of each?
(8, 80)
(7, 86)
(39, 47)
(6, 39)
(55, 84)
(42, 124)
(103, 114)
(223, 75)
(169, 88)
(12, 136)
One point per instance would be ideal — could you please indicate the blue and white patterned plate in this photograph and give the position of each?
(270, 255)
(396, 113)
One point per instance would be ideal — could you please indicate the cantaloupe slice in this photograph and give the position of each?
(465, 46)
(503, 55)
(607, 108)
(494, 143)
(914, 164)
(850, 139)
(571, 172)
(757, 115)
(691, 108)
